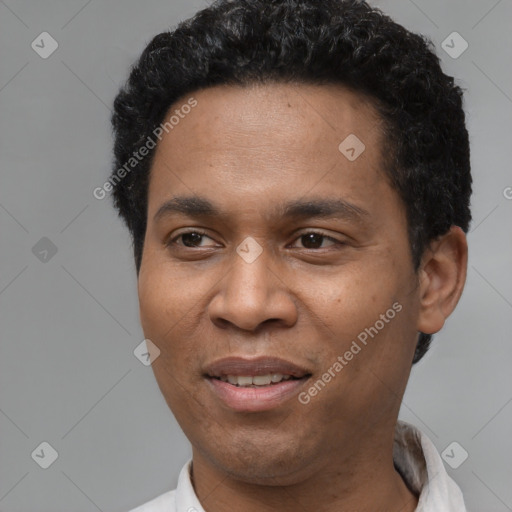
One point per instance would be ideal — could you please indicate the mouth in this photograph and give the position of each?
(252, 381)
(251, 385)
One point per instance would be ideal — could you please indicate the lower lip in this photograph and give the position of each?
(255, 399)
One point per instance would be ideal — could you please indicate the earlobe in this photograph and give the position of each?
(442, 277)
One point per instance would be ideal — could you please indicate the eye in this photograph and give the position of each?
(189, 239)
(310, 240)
(314, 240)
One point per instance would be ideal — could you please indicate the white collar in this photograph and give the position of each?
(422, 468)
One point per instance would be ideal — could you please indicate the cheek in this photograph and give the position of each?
(154, 306)
(361, 301)
(162, 312)
(351, 296)
(168, 308)
(161, 300)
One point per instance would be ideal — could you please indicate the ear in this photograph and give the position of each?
(442, 276)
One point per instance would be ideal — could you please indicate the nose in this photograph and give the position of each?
(252, 294)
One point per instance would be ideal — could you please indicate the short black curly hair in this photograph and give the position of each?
(345, 42)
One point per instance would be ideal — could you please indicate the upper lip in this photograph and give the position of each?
(262, 365)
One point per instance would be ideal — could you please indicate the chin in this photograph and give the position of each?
(267, 463)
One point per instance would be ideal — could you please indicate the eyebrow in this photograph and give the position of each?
(200, 207)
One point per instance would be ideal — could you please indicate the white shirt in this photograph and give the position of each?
(414, 455)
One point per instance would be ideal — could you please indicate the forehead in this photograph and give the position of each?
(273, 112)
(270, 140)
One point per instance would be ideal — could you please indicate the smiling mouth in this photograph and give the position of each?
(255, 372)
(256, 381)
(254, 385)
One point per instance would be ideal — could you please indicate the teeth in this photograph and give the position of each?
(244, 381)
(262, 380)
(256, 380)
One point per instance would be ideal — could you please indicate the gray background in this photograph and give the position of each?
(69, 325)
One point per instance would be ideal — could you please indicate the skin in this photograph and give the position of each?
(247, 150)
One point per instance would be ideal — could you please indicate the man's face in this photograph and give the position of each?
(299, 291)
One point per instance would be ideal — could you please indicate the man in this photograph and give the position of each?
(295, 176)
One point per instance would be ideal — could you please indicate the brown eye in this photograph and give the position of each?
(314, 240)
(189, 239)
